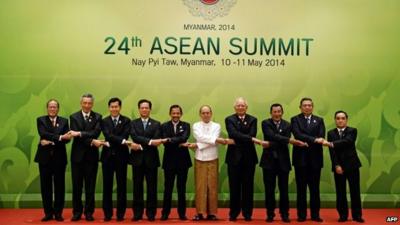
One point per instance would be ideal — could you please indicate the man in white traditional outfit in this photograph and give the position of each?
(206, 133)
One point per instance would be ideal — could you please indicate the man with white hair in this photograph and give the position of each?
(241, 159)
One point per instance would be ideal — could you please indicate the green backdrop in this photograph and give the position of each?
(55, 49)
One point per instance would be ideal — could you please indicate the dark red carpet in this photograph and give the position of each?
(33, 216)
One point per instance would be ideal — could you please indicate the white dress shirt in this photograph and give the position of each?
(206, 134)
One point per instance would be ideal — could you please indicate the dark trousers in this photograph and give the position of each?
(52, 174)
(307, 176)
(353, 177)
(270, 176)
(169, 180)
(241, 186)
(111, 166)
(139, 174)
(83, 173)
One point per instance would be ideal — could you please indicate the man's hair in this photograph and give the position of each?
(87, 95)
(53, 100)
(341, 111)
(240, 99)
(174, 107)
(144, 101)
(115, 99)
(305, 99)
(275, 105)
(201, 107)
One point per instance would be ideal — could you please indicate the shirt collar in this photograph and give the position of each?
(85, 114)
(113, 118)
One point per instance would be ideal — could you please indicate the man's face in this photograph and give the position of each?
(52, 109)
(86, 104)
(341, 120)
(276, 113)
(144, 110)
(307, 107)
(240, 107)
(175, 114)
(114, 109)
(205, 114)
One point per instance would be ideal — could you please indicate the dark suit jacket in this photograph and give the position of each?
(149, 156)
(344, 151)
(312, 155)
(115, 135)
(242, 133)
(81, 146)
(47, 131)
(277, 155)
(176, 157)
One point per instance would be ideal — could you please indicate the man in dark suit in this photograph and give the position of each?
(308, 161)
(275, 161)
(114, 158)
(241, 159)
(145, 162)
(176, 161)
(345, 166)
(85, 128)
(52, 158)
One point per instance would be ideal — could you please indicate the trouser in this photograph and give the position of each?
(52, 174)
(206, 181)
(353, 177)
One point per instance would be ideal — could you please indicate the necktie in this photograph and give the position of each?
(340, 133)
(53, 122)
(277, 125)
(144, 124)
(115, 121)
(86, 117)
(308, 121)
(175, 128)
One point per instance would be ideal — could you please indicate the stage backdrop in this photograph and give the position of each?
(343, 54)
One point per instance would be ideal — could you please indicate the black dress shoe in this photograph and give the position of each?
(107, 218)
(198, 217)
(317, 219)
(137, 218)
(232, 219)
(183, 218)
(285, 219)
(89, 217)
(342, 219)
(247, 218)
(58, 217)
(270, 219)
(151, 218)
(164, 217)
(76, 217)
(359, 219)
(47, 217)
(120, 218)
(301, 219)
(212, 217)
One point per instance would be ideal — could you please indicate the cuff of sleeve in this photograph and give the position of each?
(150, 142)
(123, 141)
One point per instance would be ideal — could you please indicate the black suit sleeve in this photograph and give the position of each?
(322, 129)
(112, 138)
(141, 139)
(301, 135)
(332, 153)
(181, 138)
(347, 141)
(44, 134)
(271, 135)
(237, 135)
(94, 133)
